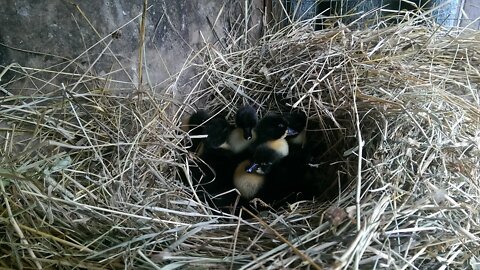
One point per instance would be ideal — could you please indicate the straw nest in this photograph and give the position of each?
(89, 178)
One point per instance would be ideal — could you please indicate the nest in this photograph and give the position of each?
(89, 177)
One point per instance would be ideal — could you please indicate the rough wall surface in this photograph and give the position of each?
(50, 33)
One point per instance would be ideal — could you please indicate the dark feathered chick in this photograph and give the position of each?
(272, 130)
(249, 176)
(293, 179)
(278, 179)
(243, 135)
(218, 130)
(196, 124)
(269, 147)
(246, 119)
(297, 121)
(215, 165)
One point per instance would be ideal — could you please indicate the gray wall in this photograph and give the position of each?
(45, 33)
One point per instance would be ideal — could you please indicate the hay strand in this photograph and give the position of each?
(90, 175)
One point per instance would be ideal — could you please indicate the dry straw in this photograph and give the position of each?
(89, 178)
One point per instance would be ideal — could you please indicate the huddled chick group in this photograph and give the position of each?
(266, 159)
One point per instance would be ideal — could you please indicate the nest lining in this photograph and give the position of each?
(89, 179)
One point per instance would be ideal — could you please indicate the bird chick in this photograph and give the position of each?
(195, 125)
(241, 137)
(297, 121)
(217, 130)
(272, 130)
(249, 176)
(218, 162)
(247, 183)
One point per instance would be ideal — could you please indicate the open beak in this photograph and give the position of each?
(252, 168)
(247, 133)
(291, 132)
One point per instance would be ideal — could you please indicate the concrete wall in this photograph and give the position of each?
(50, 33)
(470, 14)
(44, 33)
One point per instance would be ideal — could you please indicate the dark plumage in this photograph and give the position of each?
(289, 179)
(196, 126)
(264, 167)
(278, 179)
(246, 119)
(242, 136)
(272, 130)
(297, 121)
(269, 147)
(217, 130)
(215, 162)
(272, 126)
(263, 159)
(247, 183)
(220, 159)
(249, 176)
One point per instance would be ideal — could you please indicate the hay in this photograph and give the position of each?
(89, 177)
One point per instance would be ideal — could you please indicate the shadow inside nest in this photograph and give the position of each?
(314, 171)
